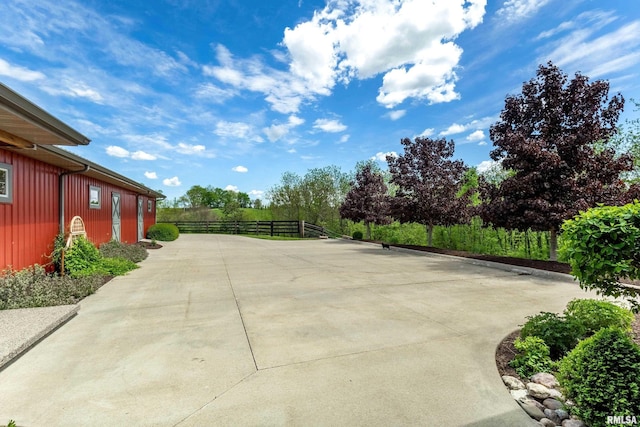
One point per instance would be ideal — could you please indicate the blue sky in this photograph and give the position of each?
(233, 93)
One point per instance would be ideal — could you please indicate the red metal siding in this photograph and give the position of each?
(29, 225)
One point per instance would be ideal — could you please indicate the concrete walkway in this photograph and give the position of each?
(226, 330)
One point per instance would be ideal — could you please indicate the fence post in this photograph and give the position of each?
(271, 228)
(301, 229)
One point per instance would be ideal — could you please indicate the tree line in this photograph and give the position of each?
(555, 143)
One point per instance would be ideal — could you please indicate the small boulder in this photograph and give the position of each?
(573, 423)
(546, 422)
(519, 394)
(545, 379)
(530, 400)
(513, 383)
(531, 410)
(552, 403)
(564, 415)
(556, 394)
(538, 390)
(551, 414)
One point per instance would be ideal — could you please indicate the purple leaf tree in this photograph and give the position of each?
(428, 184)
(367, 200)
(553, 137)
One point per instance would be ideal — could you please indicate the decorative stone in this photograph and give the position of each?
(556, 394)
(551, 414)
(531, 410)
(552, 403)
(564, 415)
(545, 379)
(573, 423)
(519, 394)
(530, 400)
(513, 383)
(546, 422)
(538, 391)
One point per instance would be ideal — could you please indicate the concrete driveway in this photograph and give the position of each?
(228, 330)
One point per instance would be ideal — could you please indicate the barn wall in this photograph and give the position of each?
(29, 225)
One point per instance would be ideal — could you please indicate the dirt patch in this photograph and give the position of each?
(149, 245)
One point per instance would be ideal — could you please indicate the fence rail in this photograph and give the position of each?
(270, 228)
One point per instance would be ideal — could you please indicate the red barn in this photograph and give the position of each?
(42, 187)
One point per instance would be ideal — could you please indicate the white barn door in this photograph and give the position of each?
(140, 220)
(115, 216)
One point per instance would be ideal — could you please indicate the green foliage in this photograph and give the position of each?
(115, 249)
(34, 287)
(58, 247)
(532, 357)
(594, 315)
(81, 258)
(561, 334)
(357, 235)
(11, 423)
(117, 266)
(163, 232)
(602, 376)
(603, 247)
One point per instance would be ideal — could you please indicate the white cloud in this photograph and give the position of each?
(516, 10)
(190, 149)
(482, 143)
(327, 125)
(382, 157)
(596, 56)
(214, 93)
(410, 43)
(240, 169)
(19, 73)
(256, 193)
(486, 165)
(237, 130)
(475, 136)
(453, 129)
(172, 182)
(276, 132)
(151, 175)
(427, 133)
(344, 138)
(115, 151)
(141, 155)
(231, 188)
(396, 114)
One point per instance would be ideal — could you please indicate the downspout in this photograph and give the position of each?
(61, 181)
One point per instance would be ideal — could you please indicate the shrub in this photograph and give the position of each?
(602, 246)
(357, 235)
(602, 376)
(82, 258)
(594, 315)
(533, 357)
(33, 287)
(163, 232)
(117, 266)
(559, 333)
(114, 249)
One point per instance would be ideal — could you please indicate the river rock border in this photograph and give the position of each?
(542, 400)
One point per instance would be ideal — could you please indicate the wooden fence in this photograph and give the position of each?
(269, 228)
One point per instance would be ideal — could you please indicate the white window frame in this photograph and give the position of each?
(149, 206)
(98, 190)
(7, 195)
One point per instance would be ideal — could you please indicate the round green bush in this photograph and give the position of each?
(115, 249)
(602, 376)
(357, 235)
(594, 315)
(163, 232)
(561, 334)
(532, 357)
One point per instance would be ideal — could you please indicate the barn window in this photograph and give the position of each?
(149, 206)
(6, 183)
(94, 197)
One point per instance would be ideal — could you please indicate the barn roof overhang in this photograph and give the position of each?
(23, 124)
